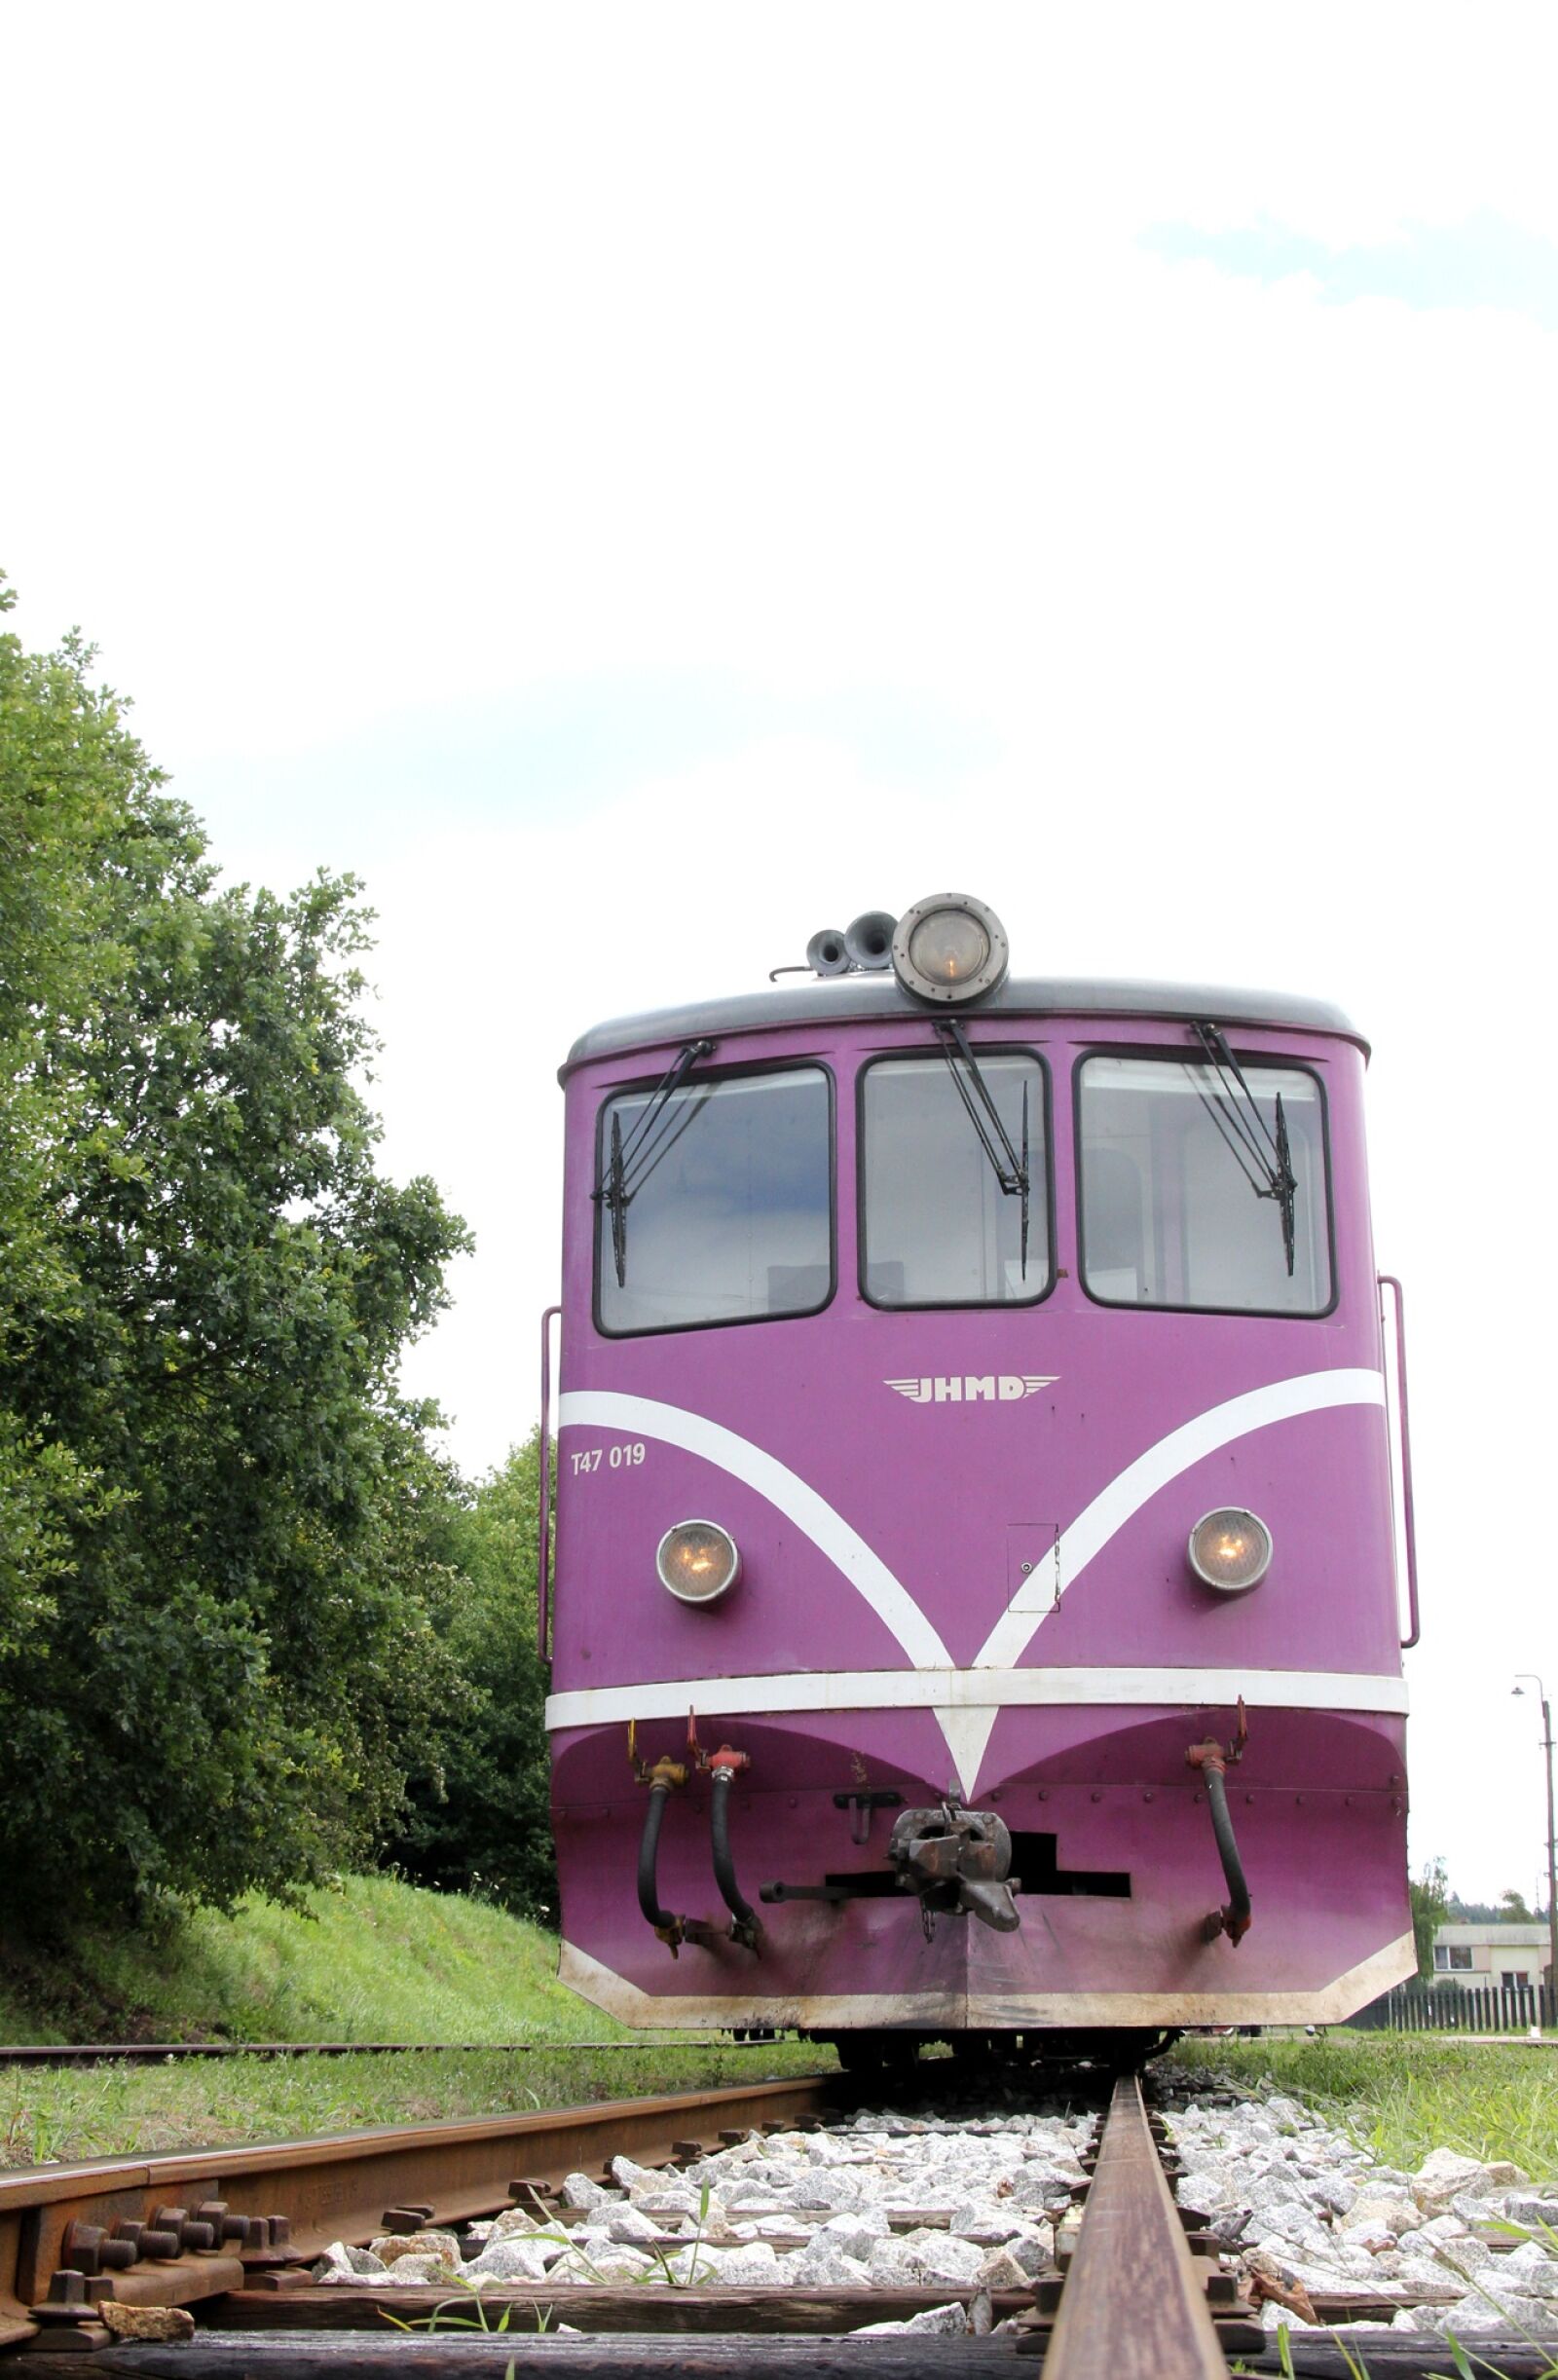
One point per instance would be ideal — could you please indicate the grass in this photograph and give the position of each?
(373, 1960)
(75, 2112)
(376, 1960)
(1402, 2094)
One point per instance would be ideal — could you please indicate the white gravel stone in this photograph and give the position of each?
(1001, 2270)
(697, 2266)
(342, 2263)
(1445, 2174)
(1274, 2317)
(831, 2192)
(1440, 2230)
(1034, 2254)
(990, 2226)
(940, 2321)
(630, 2224)
(513, 2225)
(666, 2206)
(818, 2267)
(937, 2258)
(1480, 2314)
(1530, 2268)
(891, 2265)
(417, 2273)
(1467, 2255)
(856, 2233)
(394, 2247)
(755, 2266)
(580, 2191)
(510, 2259)
(601, 2264)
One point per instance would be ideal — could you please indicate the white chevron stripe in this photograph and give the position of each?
(966, 1717)
(645, 1417)
(951, 1692)
(1129, 1490)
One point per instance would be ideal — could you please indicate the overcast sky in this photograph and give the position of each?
(639, 484)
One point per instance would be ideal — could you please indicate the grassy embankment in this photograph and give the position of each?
(1402, 2094)
(376, 1961)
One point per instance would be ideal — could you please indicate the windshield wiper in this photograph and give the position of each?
(629, 1163)
(1263, 1156)
(1010, 1165)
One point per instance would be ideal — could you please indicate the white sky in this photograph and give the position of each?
(641, 484)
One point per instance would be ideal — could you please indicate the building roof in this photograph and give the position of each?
(841, 999)
(1515, 1934)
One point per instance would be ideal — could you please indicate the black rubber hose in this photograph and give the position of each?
(1236, 1914)
(725, 1866)
(648, 1854)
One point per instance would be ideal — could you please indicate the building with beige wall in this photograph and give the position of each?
(1491, 1957)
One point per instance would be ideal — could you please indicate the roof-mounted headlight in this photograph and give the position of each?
(950, 949)
(1230, 1549)
(697, 1561)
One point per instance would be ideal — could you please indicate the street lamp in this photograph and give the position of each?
(1532, 1679)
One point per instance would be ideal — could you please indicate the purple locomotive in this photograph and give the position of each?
(976, 1581)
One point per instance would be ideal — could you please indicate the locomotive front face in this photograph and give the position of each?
(971, 1414)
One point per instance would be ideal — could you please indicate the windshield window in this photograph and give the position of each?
(734, 1219)
(1171, 1216)
(938, 1229)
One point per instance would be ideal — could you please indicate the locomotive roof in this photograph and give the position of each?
(847, 999)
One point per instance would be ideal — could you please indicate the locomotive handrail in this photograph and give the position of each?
(1388, 1281)
(543, 1547)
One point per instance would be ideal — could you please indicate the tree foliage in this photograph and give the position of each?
(1508, 1909)
(479, 1819)
(224, 1557)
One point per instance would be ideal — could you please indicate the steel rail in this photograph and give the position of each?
(1134, 2307)
(338, 2186)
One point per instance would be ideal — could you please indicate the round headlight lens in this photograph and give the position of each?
(697, 1561)
(1230, 1549)
(951, 948)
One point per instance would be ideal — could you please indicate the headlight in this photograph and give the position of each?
(950, 949)
(697, 1561)
(1230, 1549)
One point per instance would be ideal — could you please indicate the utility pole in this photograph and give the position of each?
(1532, 1679)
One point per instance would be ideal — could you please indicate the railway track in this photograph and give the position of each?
(231, 2236)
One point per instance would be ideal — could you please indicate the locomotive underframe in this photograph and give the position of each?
(1317, 1801)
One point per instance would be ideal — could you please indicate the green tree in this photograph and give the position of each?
(1512, 1905)
(223, 1529)
(480, 1811)
(1429, 1893)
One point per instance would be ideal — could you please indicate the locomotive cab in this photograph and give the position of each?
(975, 1607)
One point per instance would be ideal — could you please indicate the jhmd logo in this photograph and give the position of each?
(972, 1387)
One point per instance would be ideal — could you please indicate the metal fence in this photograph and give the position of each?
(1453, 2008)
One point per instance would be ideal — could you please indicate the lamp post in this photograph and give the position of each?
(1531, 1679)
